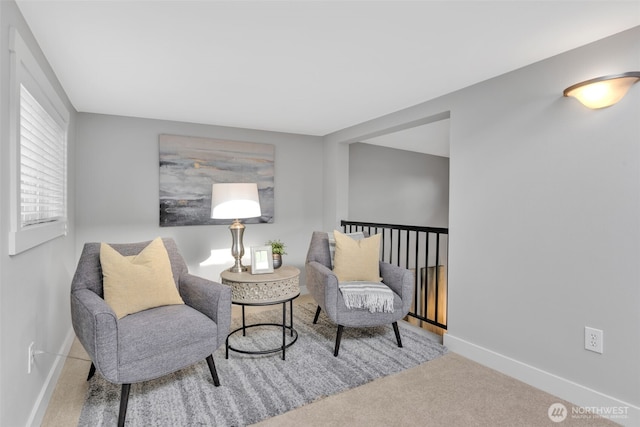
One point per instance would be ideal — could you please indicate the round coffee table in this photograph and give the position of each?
(280, 287)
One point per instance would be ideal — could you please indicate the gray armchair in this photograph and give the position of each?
(322, 284)
(154, 342)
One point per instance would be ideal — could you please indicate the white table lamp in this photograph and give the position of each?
(235, 201)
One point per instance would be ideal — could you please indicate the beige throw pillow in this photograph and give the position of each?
(135, 283)
(357, 259)
(358, 235)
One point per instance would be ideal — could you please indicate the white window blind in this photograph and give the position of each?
(42, 164)
(38, 125)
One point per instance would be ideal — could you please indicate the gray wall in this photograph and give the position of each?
(393, 186)
(545, 218)
(117, 189)
(34, 285)
(544, 224)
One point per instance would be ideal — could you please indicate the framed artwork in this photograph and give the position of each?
(261, 260)
(190, 165)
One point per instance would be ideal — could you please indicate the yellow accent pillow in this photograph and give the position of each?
(357, 259)
(135, 283)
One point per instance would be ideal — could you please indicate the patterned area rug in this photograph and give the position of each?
(254, 388)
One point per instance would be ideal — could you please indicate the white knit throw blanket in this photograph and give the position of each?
(373, 296)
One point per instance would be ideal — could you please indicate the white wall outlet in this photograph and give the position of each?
(593, 339)
(32, 356)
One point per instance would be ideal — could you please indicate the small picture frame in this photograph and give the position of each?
(261, 260)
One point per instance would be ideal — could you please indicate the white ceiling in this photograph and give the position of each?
(310, 67)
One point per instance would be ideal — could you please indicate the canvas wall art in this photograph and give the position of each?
(190, 165)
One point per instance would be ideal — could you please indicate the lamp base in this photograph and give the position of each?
(237, 248)
(238, 268)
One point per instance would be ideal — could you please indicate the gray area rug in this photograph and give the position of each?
(254, 388)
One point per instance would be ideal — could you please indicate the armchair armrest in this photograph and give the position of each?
(96, 327)
(323, 286)
(210, 298)
(400, 280)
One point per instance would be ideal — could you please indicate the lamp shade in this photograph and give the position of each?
(235, 201)
(603, 92)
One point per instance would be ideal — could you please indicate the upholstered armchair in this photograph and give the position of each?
(151, 343)
(323, 284)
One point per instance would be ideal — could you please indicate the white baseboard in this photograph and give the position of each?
(579, 395)
(42, 402)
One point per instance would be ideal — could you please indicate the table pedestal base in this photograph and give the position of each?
(283, 325)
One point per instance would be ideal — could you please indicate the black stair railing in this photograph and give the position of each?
(424, 250)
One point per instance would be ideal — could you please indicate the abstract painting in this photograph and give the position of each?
(190, 165)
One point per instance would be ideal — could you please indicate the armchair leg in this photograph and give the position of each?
(92, 370)
(315, 319)
(212, 368)
(124, 399)
(338, 338)
(397, 331)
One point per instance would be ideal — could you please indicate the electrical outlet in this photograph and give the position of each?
(593, 339)
(32, 356)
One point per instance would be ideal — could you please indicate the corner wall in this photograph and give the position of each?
(34, 285)
(544, 224)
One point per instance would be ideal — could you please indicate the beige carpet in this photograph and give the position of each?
(449, 391)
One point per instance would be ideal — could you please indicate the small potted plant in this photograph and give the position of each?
(277, 249)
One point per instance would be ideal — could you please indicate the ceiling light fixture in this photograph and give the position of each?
(604, 91)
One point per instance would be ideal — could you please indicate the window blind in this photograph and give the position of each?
(42, 164)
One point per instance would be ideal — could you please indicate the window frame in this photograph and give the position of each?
(25, 71)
